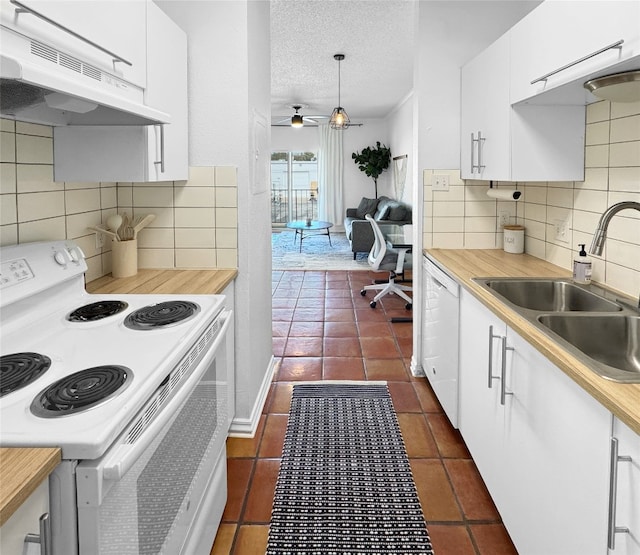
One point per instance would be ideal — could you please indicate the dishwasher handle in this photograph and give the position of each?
(441, 278)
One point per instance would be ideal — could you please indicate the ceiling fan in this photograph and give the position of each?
(298, 120)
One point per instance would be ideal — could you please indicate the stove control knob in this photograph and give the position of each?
(73, 254)
(60, 258)
(77, 254)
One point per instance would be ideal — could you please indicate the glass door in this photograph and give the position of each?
(294, 187)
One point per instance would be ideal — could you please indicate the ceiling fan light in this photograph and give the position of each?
(339, 119)
(297, 121)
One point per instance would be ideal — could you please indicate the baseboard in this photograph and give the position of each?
(416, 368)
(246, 427)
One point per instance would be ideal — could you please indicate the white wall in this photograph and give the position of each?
(229, 88)
(400, 123)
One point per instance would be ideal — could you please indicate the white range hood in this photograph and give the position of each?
(41, 84)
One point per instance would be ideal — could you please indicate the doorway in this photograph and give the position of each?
(294, 187)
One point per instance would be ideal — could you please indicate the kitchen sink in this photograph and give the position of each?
(611, 340)
(549, 295)
(598, 327)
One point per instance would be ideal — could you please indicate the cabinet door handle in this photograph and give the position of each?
(473, 161)
(490, 376)
(503, 371)
(161, 161)
(612, 529)
(44, 538)
(22, 8)
(481, 140)
(617, 44)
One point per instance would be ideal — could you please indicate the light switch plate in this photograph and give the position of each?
(440, 182)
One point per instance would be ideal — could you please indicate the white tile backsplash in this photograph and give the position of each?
(196, 220)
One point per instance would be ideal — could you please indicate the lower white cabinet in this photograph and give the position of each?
(625, 491)
(540, 442)
(25, 520)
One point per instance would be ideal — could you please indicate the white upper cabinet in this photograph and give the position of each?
(522, 143)
(564, 34)
(136, 153)
(98, 32)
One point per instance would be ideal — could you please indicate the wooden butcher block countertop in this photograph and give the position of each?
(158, 282)
(622, 399)
(22, 470)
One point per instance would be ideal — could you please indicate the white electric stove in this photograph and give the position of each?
(117, 382)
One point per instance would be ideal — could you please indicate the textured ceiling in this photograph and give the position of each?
(378, 40)
(376, 37)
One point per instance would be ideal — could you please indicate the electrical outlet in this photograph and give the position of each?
(504, 217)
(562, 230)
(440, 182)
(99, 240)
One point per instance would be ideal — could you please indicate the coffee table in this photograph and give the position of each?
(305, 228)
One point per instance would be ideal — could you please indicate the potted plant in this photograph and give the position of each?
(373, 161)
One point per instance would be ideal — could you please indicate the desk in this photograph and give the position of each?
(400, 238)
(315, 226)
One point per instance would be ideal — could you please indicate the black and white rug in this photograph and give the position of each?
(345, 485)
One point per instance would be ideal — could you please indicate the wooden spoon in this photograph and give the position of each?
(143, 223)
(113, 223)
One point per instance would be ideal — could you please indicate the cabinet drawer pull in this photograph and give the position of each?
(503, 372)
(612, 529)
(44, 538)
(617, 44)
(490, 376)
(22, 8)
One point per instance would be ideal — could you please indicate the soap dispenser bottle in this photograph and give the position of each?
(582, 267)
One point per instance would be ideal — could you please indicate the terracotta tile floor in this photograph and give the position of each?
(324, 329)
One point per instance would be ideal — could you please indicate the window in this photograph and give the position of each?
(294, 187)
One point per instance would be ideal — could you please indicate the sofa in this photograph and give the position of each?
(382, 209)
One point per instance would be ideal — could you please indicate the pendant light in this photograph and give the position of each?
(296, 120)
(339, 118)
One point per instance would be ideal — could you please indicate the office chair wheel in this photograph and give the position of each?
(373, 304)
(363, 292)
(408, 306)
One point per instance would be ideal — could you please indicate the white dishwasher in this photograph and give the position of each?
(440, 324)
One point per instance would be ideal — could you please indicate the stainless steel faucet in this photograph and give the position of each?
(600, 235)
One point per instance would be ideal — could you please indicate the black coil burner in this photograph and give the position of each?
(161, 315)
(20, 369)
(81, 391)
(96, 311)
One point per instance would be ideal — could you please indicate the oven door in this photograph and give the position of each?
(160, 486)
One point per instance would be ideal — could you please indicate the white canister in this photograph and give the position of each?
(514, 239)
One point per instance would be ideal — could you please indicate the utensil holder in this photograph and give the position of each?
(124, 258)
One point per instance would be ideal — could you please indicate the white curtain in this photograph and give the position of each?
(330, 170)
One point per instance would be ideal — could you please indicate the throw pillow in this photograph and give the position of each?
(397, 212)
(382, 213)
(366, 206)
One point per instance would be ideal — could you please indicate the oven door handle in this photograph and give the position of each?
(124, 456)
